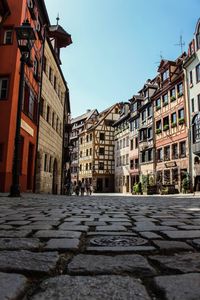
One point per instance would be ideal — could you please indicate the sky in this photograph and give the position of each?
(118, 44)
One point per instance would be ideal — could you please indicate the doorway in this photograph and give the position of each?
(99, 185)
(197, 184)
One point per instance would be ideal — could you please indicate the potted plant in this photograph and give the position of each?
(181, 121)
(158, 130)
(174, 124)
(158, 107)
(165, 103)
(172, 98)
(180, 94)
(166, 127)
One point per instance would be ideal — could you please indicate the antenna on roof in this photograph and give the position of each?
(57, 19)
(161, 57)
(181, 43)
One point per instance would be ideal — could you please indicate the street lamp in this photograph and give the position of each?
(25, 40)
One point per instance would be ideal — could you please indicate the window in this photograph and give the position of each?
(21, 150)
(143, 156)
(136, 143)
(127, 159)
(198, 73)
(90, 136)
(175, 176)
(124, 142)
(80, 167)
(198, 101)
(174, 151)
(143, 115)
(57, 124)
(50, 74)
(159, 176)
(90, 166)
(48, 114)
(167, 153)
(55, 83)
(182, 147)
(30, 104)
(35, 67)
(149, 111)
(181, 113)
(87, 138)
(86, 166)
(196, 128)
(166, 176)
(166, 123)
(131, 147)
(158, 103)
(191, 78)
(165, 99)
(1, 152)
(136, 163)
(101, 151)
(45, 162)
(131, 164)
(160, 154)
(3, 88)
(45, 64)
(149, 133)
(192, 104)
(173, 93)
(101, 165)
(90, 151)
(180, 89)
(42, 107)
(8, 36)
(50, 164)
(81, 140)
(150, 155)
(86, 152)
(158, 125)
(102, 136)
(198, 38)
(53, 119)
(106, 182)
(127, 141)
(173, 119)
(165, 75)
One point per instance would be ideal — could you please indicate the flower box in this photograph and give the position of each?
(158, 107)
(166, 127)
(181, 121)
(172, 98)
(180, 94)
(158, 130)
(165, 103)
(174, 124)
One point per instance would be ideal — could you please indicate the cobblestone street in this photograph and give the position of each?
(100, 247)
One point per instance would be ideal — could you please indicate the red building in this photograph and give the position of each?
(12, 14)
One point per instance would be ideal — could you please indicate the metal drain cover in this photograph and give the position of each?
(117, 241)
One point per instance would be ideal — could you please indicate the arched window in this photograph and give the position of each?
(196, 128)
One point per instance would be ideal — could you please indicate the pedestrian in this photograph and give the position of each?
(77, 190)
(82, 188)
(91, 189)
(87, 185)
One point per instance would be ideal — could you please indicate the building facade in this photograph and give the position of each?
(192, 72)
(96, 151)
(49, 171)
(35, 12)
(171, 128)
(122, 165)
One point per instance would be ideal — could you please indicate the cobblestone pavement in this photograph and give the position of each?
(100, 247)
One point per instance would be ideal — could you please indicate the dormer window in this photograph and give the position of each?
(165, 75)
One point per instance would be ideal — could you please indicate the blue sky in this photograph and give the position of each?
(117, 45)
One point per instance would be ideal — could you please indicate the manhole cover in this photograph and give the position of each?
(117, 241)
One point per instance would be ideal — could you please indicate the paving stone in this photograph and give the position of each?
(14, 233)
(184, 263)
(88, 287)
(111, 228)
(101, 264)
(18, 223)
(94, 233)
(36, 227)
(12, 286)
(172, 245)
(26, 261)
(95, 223)
(182, 234)
(179, 287)
(120, 249)
(62, 244)
(153, 228)
(57, 234)
(19, 243)
(196, 242)
(150, 235)
(189, 227)
(69, 227)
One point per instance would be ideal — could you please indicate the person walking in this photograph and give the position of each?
(82, 188)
